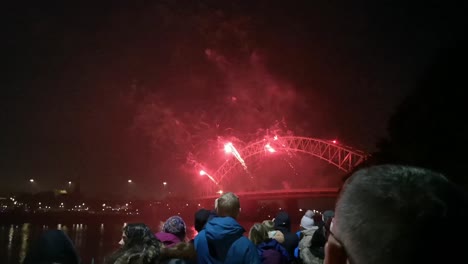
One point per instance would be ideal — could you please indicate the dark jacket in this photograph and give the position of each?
(291, 241)
(272, 252)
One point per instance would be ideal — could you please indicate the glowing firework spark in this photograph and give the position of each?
(229, 148)
(202, 173)
(269, 148)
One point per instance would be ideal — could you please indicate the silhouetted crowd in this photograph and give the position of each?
(384, 214)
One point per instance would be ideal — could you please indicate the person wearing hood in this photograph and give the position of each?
(222, 240)
(173, 231)
(53, 246)
(283, 224)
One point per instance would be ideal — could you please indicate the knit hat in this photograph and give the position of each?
(175, 225)
(282, 222)
(309, 213)
(307, 222)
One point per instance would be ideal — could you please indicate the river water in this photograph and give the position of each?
(93, 241)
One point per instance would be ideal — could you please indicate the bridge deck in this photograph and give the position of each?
(275, 194)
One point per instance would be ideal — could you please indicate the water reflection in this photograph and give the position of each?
(92, 241)
(101, 240)
(10, 240)
(24, 241)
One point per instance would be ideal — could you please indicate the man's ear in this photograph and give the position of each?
(334, 252)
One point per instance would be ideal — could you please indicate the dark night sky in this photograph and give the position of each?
(126, 89)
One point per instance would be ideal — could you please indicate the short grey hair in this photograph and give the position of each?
(228, 205)
(399, 214)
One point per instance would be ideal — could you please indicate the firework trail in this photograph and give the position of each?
(229, 148)
(202, 173)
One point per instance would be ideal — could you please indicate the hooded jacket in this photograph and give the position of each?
(222, 241)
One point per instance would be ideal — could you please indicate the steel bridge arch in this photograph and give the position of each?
(343, 157)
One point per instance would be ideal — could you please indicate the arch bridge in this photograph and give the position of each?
(343, 157)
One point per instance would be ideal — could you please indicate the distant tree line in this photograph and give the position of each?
(429, 128)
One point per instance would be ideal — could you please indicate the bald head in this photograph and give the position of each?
(390, 214)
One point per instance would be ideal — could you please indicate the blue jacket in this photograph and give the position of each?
(222, 241)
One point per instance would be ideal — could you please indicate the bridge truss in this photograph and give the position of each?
(343, 157)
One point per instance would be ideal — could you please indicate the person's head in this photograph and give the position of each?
(318, 219)
(176, 226)
(228, 205)
(53, 246)
(135, 234)
(307, 221)
(258, 233)
(397, 214)
(282, 222)
(327, 215)
(139, 245)
(269, 225)
(201, 217)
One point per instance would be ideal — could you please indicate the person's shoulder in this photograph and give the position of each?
(201, 236)
(243, 242)
(243, 249)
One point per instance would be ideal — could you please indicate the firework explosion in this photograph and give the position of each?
(232, 98)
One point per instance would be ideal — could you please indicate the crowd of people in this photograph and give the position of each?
(384, 214)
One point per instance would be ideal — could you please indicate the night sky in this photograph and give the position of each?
(147, 90)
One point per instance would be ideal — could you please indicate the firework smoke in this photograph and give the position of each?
(226, 95)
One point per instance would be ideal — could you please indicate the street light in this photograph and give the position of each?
(129, 181)
(69, 183)
(32, 185)
(164, 183)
